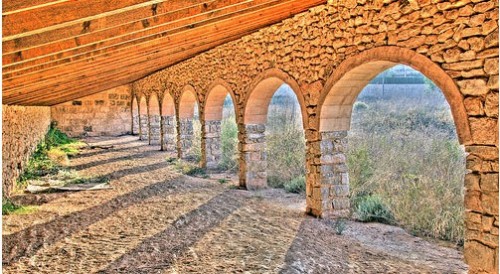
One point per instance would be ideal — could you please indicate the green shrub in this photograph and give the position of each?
(339, 225)
(371, 208)
(296, 185)
(359, 106)
(188, 168)
(8, 207)
(222, 181)
(229, 144)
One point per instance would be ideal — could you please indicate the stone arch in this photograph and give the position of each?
(143, 118)
(154, 119)
(154, 104)
(167, 104)
(185, 128)
(253, 156)
(143, 105)
(262, 89)
(187, 102)
(168, 122)
(352, 75)
(212, 129)
(135, 115)
(214, 100)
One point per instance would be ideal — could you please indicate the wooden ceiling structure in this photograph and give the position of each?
(59, 50)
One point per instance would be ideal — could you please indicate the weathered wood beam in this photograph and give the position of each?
(150, 33)
(119, 78)
(44, 18)
(112, 25)
(127, 60)
(112, 68)
(8, 81)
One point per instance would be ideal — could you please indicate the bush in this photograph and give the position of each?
(296, 185)
(190, 169)
(8, 207)
(370, 208)
(229, 144)
(339, 226)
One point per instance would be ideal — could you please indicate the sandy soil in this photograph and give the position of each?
(155, 220)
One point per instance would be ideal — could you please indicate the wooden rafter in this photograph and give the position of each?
(45, 63)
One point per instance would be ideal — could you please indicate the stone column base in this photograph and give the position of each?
(334, 178)
(253, 160)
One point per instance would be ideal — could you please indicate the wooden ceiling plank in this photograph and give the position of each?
(14, 6)
(91, 66)
(150, 32)
(90, 80)
(107, 83)
(7, 76)
(63, 14)
(121, 21)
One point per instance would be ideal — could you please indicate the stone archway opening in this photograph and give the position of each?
(143, 119)
(335, 108)
(189, 126)
(168, 123)
(221, 133)
(154, 119)
(273, 111)
(135, 116)
(403, 156)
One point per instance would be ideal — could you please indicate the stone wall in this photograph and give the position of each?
(103, 114)
(22, 130)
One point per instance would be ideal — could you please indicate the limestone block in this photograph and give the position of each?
(473, 87)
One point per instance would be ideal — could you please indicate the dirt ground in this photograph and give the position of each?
(155, 220)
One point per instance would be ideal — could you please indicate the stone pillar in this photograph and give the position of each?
(186, 135)
(144, 127)
(212, 143)
(334, 177)
(253, 158)
(169, 132)
(135, 124)
(481, 209)
(154, 124)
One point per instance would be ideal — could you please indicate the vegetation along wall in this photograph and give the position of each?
(22, 129)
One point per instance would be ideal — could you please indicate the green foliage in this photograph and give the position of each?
(359, 106)
(8, 207)
(222, 181)
(229, 144)
(194, 152)
(188, 168)
(296, 185)
(339, 225)
(371, 208)
(50, 157)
